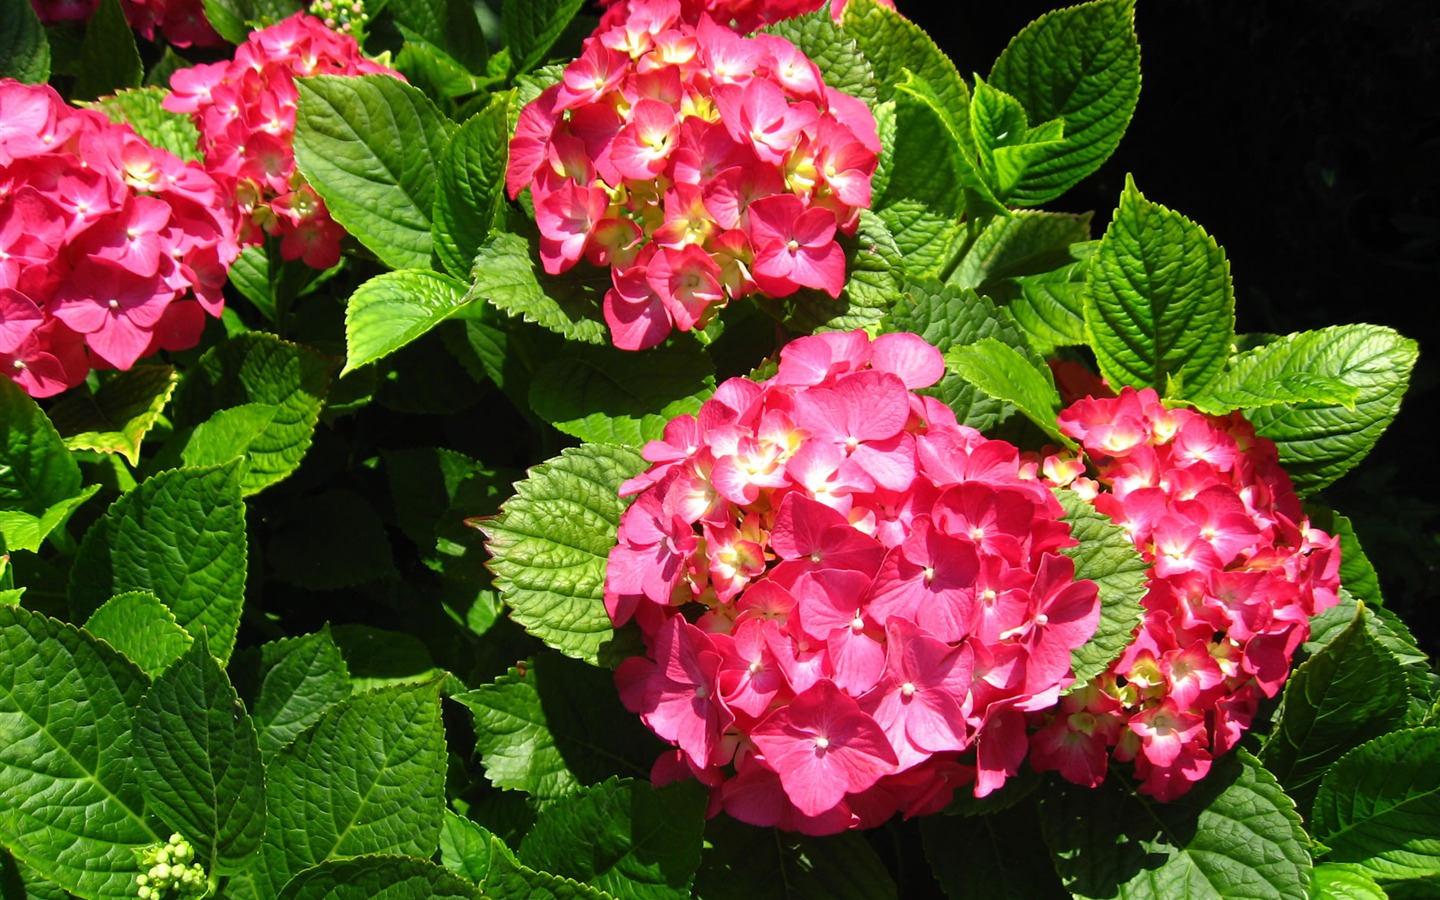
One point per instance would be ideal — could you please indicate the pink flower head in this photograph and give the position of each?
(741, 16)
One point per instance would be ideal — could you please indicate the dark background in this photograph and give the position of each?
(1305, 137)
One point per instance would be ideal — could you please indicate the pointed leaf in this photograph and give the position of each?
(116, 418)
(298, 680)
(472, 185)
(513, 738)
(379, 878)
(22, 531)
(508, 274)
(892, 44)
(227, 435)
(1003, 372)
(1024, 244)
(1050, 308)
(449, 25)
(464, 847)
(391, 310)
(36, 470)
(1342, 881)
(24, 49)
(1231, 393)
(530, 27)
(142, 628)
(109, 59)
(1108, 557)
(507, 879)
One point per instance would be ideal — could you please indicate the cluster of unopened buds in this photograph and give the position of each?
(170, 872)
(1236, 573)
(698, 164)
(744, 16)
(345, 16)
(245, 111)
(850, 602)
(110, 249)
(180, 22)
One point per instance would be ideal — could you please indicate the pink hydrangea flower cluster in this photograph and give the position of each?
(700, 165)
(245, 111)
(850, 601)
(744, 16)
(180, 22)
(110, 249)
(1237, 572)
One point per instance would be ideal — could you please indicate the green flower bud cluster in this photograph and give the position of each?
(345, 16)
(170, 871)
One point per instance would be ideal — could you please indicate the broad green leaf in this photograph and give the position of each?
(1107, 557)
(998, 856)
(604, 395)
(513, 738)
(1377, 806)
(1005, 144)
(434, 71)
(227, 435)
(748, 863)
(551, 541)
(1319, 442)
(922, 199)
(894, 44)
(1050, 306)
(998, 369)
(472, 185)
(377, 657)
(70, 800)
(298, 679)
(1024, 244)
(1159, 304)
(23, 883)
(530, 27)
(329, 541)
(109, 59)
(1080, 65)
(116, 418)
(947, 316)
(873, 275)
(1230, 393)
(822, 40)
(508, 274)
(23, 531)
(260, 368)
(200, 768)
(232, 18)
(36, 470)
(391, 310)
(464, 847)
(379, 878)
(179, 535)
(1342, 881)
(370, 145)
(367, 778)
(624, 837)
(449, 25)
(1234, 834)
(1350, 691)
(507, 879)
(1390, 633)
(140, 109)
(24, 49)
(142, 628)
(265, 279)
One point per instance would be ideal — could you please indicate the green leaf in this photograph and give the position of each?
(24, 49)
(36, 470)
(232, 18)
(513, 738)
(1234, 834)
(115, 418)
(1107, 557)
(370, 146)
(367, 777)
(1160, 305)
(264, 278)
(1357, 574)
(1081, 65)
(179, 535)
(1319, 442)
(822, 40)
(140, 109)
(200, 768)
(391, 310)
(998, 856)
(507, 879)
(298, 679)
(260, 368)
(1050, 308)
(551, 541)
(142, 628)
(874, 270)
(23, 531)
(1023, 244)
(379, 878)
(604, 395)
(330, 540)
(1377, 806)
(109, 59)
(464, 847)
(1231, 393)
(1390, 633)
(921, 198)
(1341, 881)
(530, 27)
(508, 275)
(894, 44)
(624, 837)
(70, 801)
(377, 657)
(448, 25)
(228, 434)
(472, 185)
(434, 71)
(998, 369)
(1005, 143)
(747, 863)
(1350, 691)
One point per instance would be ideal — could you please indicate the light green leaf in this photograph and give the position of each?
(109, 59)
(1160, 304)
(22, 531)
(513, 738)
(604, 395)
(260, 368)
(1003, 372)
(1024, 244)
(1386, 629)
(369, 145)
(551, 541)
(998, 856)
(1230, 393)
(464, 847)
(1108, 557)
(1050, 307)
(379, 878)
(921, 198)
(874, 268)
(748, 863)
(1341, 881)
(36, 470)
(24, 49)
(1080, 65)
(894, 44)
(507, 879)
(140, 109)
(624, 837)
(1319, 442)
(391, 310)
(367, 778)
(1378, 805)
(530, 27)
(377, 657)
(508, 274)
(116, 418)
(822, 40)
(227, 435)
(448, 25)
(1234, 834)
(1005, 143)
(200, 768)
(472, 185)
(142, 628)
(298, 679)
(179, 535)
(70, 801)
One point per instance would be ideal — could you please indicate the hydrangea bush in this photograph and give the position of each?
(456, 450)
